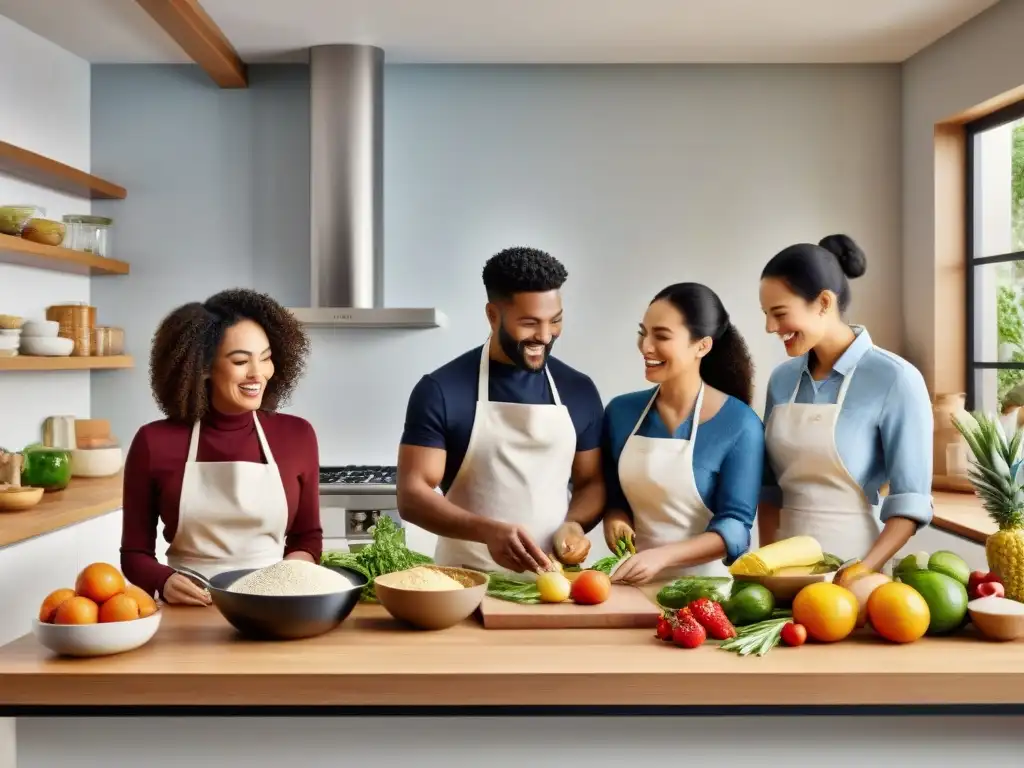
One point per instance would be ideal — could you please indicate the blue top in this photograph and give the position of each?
(884, 431)
(442, 406)
(728, 458)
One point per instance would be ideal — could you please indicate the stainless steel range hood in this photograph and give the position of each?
(346, 194)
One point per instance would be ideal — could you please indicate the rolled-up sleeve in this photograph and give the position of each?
(906, 429)
(770, 492)
(739, 483)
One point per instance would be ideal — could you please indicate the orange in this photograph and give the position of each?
(828, 611)
(52, 602)
(898, 612)
(99, 582)
(147, 605)
(77, 610)
(119, 608)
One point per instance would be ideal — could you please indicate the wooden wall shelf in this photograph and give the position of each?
(16, 250)
(41, 170)
(29, 363)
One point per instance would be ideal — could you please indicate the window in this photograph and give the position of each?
(995, 253)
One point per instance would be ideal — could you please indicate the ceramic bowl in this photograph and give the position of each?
(40, 328)
(1002, 627)
(430, 609)
(19, 499)
(96, 462)
(785, 588)
(97, 639)
(9, 342)
(46, 346)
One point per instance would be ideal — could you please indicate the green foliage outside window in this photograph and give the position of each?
(1010, 301)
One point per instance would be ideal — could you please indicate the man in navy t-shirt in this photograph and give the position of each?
(502, 430)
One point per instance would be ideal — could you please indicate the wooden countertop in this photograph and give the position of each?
(197, 659)
(84, 499)
(963, 515)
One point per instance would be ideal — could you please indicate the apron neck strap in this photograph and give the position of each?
(483, 381)
(193, 443)
(696, 412)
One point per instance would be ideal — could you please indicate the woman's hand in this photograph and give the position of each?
(181, 590)
(642, 568)
(571, 544)
(617, 526)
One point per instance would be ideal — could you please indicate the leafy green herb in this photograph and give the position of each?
(386, 554)
(623, 548)
(500, 586)
(828, 564)
(684, 591)
(758, 638)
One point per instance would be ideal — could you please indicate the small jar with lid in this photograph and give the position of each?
(88, 233)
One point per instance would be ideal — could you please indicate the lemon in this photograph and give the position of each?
(553, 587)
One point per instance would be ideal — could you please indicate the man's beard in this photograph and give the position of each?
(516, 350)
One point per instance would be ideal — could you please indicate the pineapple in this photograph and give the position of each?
(997, 474)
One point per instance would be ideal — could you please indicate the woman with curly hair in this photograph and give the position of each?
(683, 462)
(234, 483)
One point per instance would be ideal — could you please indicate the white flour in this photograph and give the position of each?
(292, 578)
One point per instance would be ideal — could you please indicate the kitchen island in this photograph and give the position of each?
(174, 697)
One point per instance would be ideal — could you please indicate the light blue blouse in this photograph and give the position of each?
(728, 459)
(884, 431)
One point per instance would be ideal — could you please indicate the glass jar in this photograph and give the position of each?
(88, 233)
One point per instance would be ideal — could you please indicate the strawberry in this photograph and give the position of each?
(794, 634)
(712, 618)
(990, 589)
(664, 630)
(688, 633)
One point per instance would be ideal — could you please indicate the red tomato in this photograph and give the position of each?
(794, 634)
(591, 588)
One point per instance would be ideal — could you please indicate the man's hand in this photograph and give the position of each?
(511, 547)
(571, 544)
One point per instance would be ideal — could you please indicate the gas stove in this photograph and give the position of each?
(352, 499)
(357, 479)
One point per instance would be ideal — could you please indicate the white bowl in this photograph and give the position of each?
(46, 346)
(97, 639)
(45, 328)
(96, 462)
(9, 342)
(15, 332)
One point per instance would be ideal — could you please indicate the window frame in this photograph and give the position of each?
(1007, 114)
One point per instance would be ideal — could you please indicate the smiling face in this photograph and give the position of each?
(800, 324)
(666, 344)
(241, 369)
(527, 326)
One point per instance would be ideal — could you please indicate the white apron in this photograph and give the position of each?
(656, 475)
(819, 497)
(232, 514)
(517, 469)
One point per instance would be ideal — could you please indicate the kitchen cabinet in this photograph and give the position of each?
(31, 569)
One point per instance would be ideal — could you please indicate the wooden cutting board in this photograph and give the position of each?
(625, 608)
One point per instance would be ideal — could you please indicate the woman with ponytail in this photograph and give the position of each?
(684, 460)
(842, 416)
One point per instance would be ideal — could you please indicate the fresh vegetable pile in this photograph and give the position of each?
(590, 587)
(386, 554)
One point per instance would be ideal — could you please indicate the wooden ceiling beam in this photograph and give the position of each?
(200, 37)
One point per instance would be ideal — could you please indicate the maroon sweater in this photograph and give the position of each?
(155, 467)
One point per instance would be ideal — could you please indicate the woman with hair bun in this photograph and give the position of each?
(842, 418)
(684, 460)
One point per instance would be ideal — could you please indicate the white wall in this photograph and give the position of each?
(975, 62)
(635, 177)
(44, 107)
